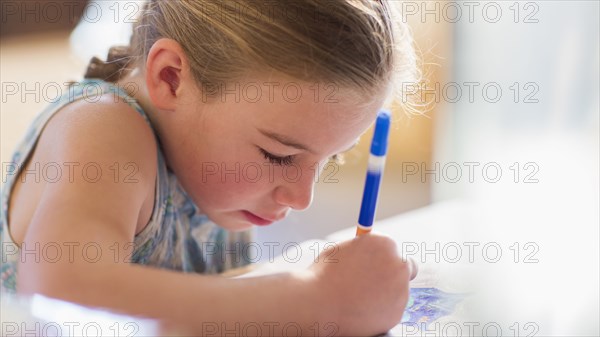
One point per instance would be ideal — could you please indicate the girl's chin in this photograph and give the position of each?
(238, 226)
(234, 224)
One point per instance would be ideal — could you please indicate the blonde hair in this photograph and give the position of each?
(360, 45)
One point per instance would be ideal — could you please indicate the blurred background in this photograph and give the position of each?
(510, 120)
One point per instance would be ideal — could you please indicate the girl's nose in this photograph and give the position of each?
(297, 194)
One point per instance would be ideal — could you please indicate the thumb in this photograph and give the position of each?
(412, 267)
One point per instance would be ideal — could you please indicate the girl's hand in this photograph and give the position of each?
(364, 284)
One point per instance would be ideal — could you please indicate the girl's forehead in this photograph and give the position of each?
(277, 88)
(296, 108)
(310, 114)
(317, 101)
(320, 127)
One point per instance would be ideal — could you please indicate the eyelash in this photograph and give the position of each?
(287, 160)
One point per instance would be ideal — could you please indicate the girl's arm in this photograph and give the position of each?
(94, 222)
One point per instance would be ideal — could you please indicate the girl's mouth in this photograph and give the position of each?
(255, 219)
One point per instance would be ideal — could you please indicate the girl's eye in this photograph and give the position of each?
(287, 160)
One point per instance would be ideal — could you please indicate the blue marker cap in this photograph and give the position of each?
(380, 136)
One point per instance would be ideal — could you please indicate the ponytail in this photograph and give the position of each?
(115, 67)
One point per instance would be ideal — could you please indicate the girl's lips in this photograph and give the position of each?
(255, 219)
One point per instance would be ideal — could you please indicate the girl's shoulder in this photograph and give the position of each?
(108, 127)
(107, 134)
(104, 150)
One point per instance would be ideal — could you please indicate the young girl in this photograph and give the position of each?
(168, 154)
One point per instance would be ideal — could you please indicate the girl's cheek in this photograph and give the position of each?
(239, 186)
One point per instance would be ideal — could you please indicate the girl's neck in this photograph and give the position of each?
(134, 84)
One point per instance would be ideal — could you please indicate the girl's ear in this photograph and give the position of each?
(166, 69)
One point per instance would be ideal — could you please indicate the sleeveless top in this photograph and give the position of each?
(178, 236)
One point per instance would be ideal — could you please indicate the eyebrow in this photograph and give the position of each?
(285, 140)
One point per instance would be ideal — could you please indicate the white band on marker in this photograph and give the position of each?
(367, 228)
(376, 163)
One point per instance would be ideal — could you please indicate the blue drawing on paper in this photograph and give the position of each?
(425, 305)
